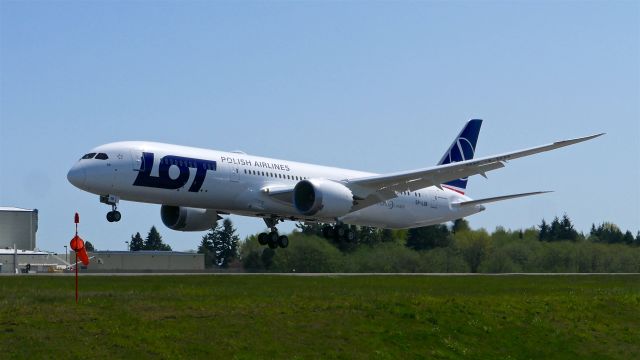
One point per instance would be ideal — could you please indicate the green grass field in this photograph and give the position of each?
(379, 317)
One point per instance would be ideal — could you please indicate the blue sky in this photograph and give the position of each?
(372, 86)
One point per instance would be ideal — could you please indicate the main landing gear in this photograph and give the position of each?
(339, 232)
(113, 215)
(273, 239)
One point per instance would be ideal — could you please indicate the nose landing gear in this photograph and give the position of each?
(113, 215)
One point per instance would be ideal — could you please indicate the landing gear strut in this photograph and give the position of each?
(113, 215)
(273, 239)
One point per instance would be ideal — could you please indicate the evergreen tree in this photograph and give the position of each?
(543, 235)
(555, 229)
(89, 246)
(154, 241)
(225, 244)
(206, 247)
(594, 234)
(428, 237)
(460, 225)
(136, 242)
(607, 233)
(627, 238)
(566, 231)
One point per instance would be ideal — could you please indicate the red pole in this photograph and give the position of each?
(76, 277)
(76, 219)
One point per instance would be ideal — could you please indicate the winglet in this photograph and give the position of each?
(497, 198)
(577, 140)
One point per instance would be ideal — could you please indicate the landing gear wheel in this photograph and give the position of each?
(351, 235)
(114, 216)
(283, 241)
(263, 238)
(272, 238)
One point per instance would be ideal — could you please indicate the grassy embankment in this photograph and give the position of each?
(448, 317)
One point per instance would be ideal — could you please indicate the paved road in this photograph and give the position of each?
(321, 274)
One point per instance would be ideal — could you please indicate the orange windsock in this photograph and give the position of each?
(77, 245)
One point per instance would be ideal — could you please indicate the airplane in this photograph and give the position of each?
(195, 186)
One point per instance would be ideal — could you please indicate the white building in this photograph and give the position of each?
(19, 261)
(18, 227)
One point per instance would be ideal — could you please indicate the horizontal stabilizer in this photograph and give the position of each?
(497, 198)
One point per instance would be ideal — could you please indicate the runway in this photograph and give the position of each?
(324, 274)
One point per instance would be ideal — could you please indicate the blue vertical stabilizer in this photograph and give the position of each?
(463, 148)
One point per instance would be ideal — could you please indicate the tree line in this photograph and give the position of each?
(549, 247)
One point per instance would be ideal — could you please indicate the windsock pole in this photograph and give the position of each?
(77, 244)
(76, 220)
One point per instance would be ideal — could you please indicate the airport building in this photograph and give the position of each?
(18, 228)
(144, 261)
(18, 252)
(21, 261)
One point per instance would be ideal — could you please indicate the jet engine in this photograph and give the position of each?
(322, 198)
(188, 219)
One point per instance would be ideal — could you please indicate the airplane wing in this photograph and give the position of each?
(373, 189)
(494, 199)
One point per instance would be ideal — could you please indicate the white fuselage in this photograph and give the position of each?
(232, 182)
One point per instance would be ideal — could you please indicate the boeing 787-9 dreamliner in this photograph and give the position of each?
(195, 186)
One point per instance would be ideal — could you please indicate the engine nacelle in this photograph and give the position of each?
(188, 219)
(322, 198)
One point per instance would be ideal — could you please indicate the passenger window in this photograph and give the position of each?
(102, 156)
(89, 156)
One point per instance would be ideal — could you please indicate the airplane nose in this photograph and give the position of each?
(77, 176)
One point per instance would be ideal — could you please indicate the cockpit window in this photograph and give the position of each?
(102, 156)
(89, 156)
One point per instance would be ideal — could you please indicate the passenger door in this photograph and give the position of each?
(138, 160)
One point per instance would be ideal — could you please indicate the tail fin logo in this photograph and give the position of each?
(462, 150)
